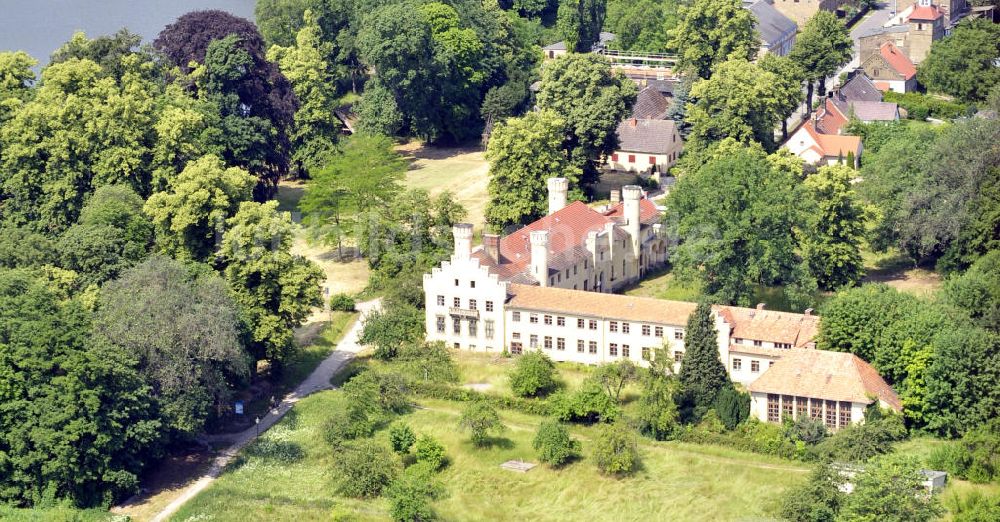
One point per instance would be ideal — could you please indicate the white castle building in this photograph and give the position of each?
(524, 294)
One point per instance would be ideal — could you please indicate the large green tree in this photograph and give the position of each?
(275, 289)
(888, 490)
(787, 91)
(639, 25)
(15, 77)
(832, 243)
(964, 63)
(703, 374)
(711, 32)
(591, 99)
(735, 217)
(523, 153)
(580, 22)
(822, 47)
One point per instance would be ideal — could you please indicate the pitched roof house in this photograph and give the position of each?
(890, 69)
(817, 148)
(650, 103)
(860, 88)
(646, 145)
(776, 31)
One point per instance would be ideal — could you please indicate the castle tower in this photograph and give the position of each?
(540, 256)
(631, 194)
(926, 25)
(463, 240)
(558, 189)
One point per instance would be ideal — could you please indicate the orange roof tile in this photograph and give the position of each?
(832, 145)
(797, 330)
(821, 374)
(897, 60)
(924, 12)
(830, 118)
(595, 304)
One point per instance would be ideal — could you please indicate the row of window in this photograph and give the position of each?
(655, 331)
(833, 413)
(758, 343)
(754, 364)
(489, 329)
(457, 303)
(583, 346)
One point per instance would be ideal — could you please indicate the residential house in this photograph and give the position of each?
(918, 27)
(817, 148)
(646, 146)
(777, 31)
(834, 387)
(839, 107)
(800, 11)
(890, 69)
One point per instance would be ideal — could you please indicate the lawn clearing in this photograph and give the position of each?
(898, 271)
(665, 285)
(462, 170)
(291, 480)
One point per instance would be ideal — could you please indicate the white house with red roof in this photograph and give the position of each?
(817, 148)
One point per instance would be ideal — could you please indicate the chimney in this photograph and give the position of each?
(558, 187)
(631, 194)
(463, 240)
(491, 244)
(809, 311)
(635, 122)
(616, 197)
(540, 256)
(760, 306)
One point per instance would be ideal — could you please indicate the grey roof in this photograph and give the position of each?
(646, 136)
(605, 37)
(874, 110)
(650, 103)
(558, 46)
(885, 30)
(771, 24)
(663, 86)
(860, 88)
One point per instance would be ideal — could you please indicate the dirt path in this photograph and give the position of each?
(318, 380)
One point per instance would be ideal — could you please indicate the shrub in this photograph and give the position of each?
(588, 404)
(347, 423)
(532, 375)
(342, 303)
(554, 445)
(921, 106)
(975, 457)
(481, 420)
(808, 429)
(379, 393)
(753, 436)
(887, 491)
(657, 415)
(364, 470)
(429, 452)
(427, 362)
(818, 498)
(390, 328)
(615, 449)
(401, 437)
(432, 390)
(860, 442)
(732, 406)
(975, 507)
(410, 494)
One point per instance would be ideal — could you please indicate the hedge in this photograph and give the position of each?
(921, 106)
(432, 390)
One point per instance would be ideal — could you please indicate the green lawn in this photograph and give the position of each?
(56, 514)
(292, 481)
(461, 170)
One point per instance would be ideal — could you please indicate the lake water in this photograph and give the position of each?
(39, 27)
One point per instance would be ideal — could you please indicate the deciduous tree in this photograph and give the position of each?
(822, 47)
(711, 32)
(580, 22)
(832, 243)
(963, 64)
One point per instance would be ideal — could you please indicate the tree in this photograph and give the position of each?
(315, 131)
(275, 289)
(78, 421)
(732, 406)
(380, 394)
(711, 32)
(734, 216)
(657, 415)
(410, 494)
(680, 103)
(181, 326)
(891, 489)
(554, 445)
(15, 77)
(111, 235)
(107, 51)
(832, 247)
(591, 99)
(364, 470)
(523, 154)
(532, 375)
(429, 452)
(977, 291)
(961, 381)
(613, 377)
(392, 328)
(189, 216)
(788, 89)
(975, 457)
(590, 404)
(616, 450)
(401, 437)
(862, 442)
(963, 64)
(279, 21)
(256, 102)
(822, 47)
(817, 500)
(639, 26)
(481, 420)
(702, 375)
(742, 101)
(855, 319)
(579, 23)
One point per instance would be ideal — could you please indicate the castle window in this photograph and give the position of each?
(625, 328)
(801, 407)
(473, 327)
(586, 263)
(472, 284)
(592, 347)
(489, 328)
(533, 318)
(560, 343)
(614, 157)
(758, 343)
(579, 323)
(456, 325)
(560, 321)
(547, 319)
(613, 349)
(489, 306)
(472, 304)
(652, 160)
(574, 268)
(613, 326)
(515, 317)
(440, 324)
(773, 412)
(440, 300)
(816, 408)
(831, 414)
(737, 363)
(787, 403)
(548, 343)
(845, 413)
(631, 158)
(658, 331)
(624, 350)
(647, 353)
(579, 346)
(515, 335)
(645, 329)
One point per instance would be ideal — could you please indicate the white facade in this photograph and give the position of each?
(770, 407)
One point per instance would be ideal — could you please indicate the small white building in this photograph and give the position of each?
(646, 145)
(817, 148)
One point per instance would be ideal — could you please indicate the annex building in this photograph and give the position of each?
(526, 292)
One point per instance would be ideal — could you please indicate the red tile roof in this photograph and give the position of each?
(832, 145)
(596, 304)
(795, 329)
(831, 120)
(923, 12)
(821, 374)
(897, 60)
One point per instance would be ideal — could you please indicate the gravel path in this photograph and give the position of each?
(318, 380)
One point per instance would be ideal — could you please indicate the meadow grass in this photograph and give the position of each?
(666, 285)
(287, 476)
(462, 170)
(56, 514)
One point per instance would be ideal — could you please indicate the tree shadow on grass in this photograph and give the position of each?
(494, 442)
(275, 451)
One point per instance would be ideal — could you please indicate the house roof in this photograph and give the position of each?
(651, 104)
(897, 60)
(646, 136)
(874, 111)
(925, 12)
(860, 88)
(558, 46)
(833, 145)
(884, 30)
(822, 374)
(770, 23)
(568, 230)
(830, 118)
(798, 330)
(596, 304)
